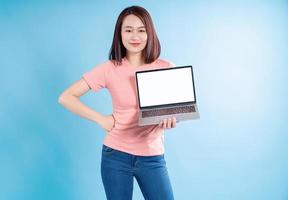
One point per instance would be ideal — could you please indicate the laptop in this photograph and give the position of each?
(163, 93)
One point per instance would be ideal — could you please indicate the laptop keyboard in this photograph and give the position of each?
(168, 111)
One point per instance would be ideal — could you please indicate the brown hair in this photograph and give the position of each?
(152, 50)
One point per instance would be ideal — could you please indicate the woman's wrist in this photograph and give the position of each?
(98, 118)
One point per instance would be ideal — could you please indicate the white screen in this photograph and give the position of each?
(165, 87)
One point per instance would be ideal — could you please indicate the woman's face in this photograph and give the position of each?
(133, 33)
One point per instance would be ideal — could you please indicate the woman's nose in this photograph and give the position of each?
(135, 35)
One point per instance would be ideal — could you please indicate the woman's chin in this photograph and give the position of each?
(135, 51)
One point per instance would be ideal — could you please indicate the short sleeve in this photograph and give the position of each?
(165, 63)
(96, 78)
(171, 64)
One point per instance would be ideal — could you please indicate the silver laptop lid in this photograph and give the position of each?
(165, 87)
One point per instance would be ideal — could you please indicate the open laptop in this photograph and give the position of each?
(164, 93)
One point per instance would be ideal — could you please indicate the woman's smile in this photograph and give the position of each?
(135, 44)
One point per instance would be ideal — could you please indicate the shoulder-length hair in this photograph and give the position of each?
(153, 48)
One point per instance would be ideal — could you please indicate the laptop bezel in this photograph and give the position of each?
(165, 105)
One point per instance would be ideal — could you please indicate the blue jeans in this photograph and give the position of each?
(118, 170)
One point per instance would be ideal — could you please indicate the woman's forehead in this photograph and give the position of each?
(132, 21)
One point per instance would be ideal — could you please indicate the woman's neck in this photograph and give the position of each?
(135, 60)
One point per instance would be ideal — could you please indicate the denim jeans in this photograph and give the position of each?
(118, 170)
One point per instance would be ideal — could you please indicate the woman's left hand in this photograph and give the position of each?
(168, 123)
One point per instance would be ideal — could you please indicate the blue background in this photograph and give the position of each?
(239, 49)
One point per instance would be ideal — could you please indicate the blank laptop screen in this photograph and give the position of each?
(166, 87)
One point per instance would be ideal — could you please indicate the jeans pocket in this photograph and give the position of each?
(107, 149)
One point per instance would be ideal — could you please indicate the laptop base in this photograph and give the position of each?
(179, 117)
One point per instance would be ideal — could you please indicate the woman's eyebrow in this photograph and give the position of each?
(133, 27)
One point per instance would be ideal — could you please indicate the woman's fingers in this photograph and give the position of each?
(174, 122)
(164, 123)
(168, 123)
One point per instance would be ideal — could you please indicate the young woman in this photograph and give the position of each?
(129, 150)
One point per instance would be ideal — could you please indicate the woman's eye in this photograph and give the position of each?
(128, 31)
(142, 31)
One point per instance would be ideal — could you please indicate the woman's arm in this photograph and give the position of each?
(70, 99)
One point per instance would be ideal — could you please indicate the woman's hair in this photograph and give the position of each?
(152, 50)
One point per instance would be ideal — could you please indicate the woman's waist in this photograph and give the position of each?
(135, 135)
(126, 117)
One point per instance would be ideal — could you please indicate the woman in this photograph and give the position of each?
(128, 150)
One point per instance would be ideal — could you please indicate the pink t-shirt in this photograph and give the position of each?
(127, 135)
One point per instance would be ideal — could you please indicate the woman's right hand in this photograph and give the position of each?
(107, 123)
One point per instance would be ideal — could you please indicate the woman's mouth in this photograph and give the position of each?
(135, 44)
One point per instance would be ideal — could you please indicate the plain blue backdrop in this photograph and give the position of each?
(238, 150)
